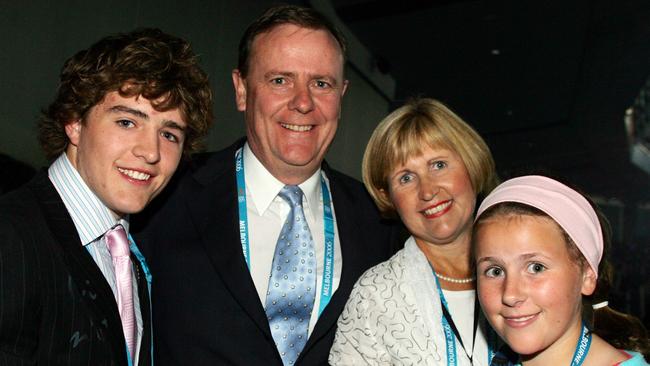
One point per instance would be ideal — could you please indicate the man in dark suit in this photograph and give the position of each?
(232, 286)
(74, 288)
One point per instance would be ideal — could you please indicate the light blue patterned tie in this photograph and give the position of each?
(292, 284)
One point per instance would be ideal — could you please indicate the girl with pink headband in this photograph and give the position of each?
(538, 245)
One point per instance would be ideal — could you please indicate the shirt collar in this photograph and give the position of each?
(263, 187)
(90, 216)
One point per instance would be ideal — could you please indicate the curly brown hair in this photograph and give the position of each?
(145, 62)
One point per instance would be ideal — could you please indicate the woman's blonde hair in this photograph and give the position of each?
(407, 130)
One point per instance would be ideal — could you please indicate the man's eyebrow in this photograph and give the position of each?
(274, 73)
(135, 112)
(330, 79)
(141, 114)
(175, 125)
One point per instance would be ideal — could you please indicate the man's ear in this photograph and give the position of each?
(73, 130)
(589, 281)
(239, 83)
(345, 87)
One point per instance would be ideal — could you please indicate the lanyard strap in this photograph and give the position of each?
(328, 257)
(328, 221)
(506, 357)
(451, 331)
(241, 201)
(492, 342)
(147, 275)
(448, 322)
(582, 348)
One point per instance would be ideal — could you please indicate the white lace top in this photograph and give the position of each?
(393, 317)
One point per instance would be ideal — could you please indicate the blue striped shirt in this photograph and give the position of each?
(92, 219)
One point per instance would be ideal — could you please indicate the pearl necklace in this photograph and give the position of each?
(455, 280)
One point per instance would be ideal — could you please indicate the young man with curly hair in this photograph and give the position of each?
(74, 286)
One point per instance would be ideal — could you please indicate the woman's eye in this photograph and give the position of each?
(439, 165)
(405, 178)
(536, 268)
(493, 272)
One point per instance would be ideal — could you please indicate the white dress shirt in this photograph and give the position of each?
(266, 215)
(461, 308)
(92, 219)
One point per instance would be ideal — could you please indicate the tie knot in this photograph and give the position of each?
(118, 244)
(291, 194)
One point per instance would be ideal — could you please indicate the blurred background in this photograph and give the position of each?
(558, 86)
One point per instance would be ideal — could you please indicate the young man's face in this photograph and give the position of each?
(126, 151)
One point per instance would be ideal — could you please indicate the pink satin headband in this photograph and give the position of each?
(567, 207)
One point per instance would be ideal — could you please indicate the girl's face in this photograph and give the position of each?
(528, 285)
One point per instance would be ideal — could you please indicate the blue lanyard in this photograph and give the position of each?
(579, 355)
(328, 219)
(147, 275)
(451, 333)
(143, 263)
(241, 201)
(582, 348)
(492, 341)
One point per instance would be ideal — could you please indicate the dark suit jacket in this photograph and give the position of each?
(206, 309)
(56, 307)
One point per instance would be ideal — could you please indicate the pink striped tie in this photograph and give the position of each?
(118, 245)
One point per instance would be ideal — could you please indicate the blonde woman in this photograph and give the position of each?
(426, 165)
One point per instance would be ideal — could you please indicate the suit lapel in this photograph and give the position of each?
(212, 203)
(347, 225)
(145, 306)
(87, 277)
